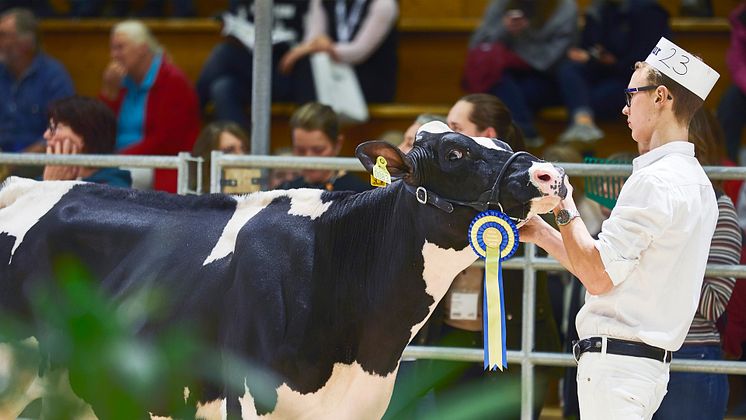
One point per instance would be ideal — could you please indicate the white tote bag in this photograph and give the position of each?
(337, 86)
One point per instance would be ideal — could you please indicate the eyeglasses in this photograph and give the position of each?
(631, 91)
(52, 127)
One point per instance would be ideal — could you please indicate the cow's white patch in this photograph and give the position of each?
(350, 393)
(487, 142)
(24, 201)
(212, 410)
(303, 202)
(441, 267)
(434, 127)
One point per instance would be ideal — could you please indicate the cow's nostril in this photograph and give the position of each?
(545, 178)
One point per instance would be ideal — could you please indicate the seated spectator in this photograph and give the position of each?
(457, 320)
(409, 135)
(315, 131)
(279, 176)
(225, 136)
(515, 54)
(29, 81)
(615, 35)
(225, 82)
(732, 107)
(81, 125)
(360, 33)
(484, 115)
(155, 104)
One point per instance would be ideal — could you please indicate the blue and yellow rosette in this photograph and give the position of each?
(494, 237)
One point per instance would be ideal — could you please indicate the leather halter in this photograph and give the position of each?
(486, 199)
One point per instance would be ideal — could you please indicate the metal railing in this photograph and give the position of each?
(180, 163)
(529, 263)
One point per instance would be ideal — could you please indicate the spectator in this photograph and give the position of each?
(155, 104)
(81, 125)
(705, 395)
(406, 145)
(361, 33)
(315, 131)
(29, 81)
(516, 52)
(225, 136)
(484, 115)
(615, 35)
(225, 81)
(732, 107)
(454, 324)
(279, 176)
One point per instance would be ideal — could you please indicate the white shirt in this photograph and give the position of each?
(654, 247)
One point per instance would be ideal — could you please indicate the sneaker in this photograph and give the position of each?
(536, 141)
(585, 133)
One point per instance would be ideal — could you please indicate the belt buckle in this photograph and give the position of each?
(576, 350)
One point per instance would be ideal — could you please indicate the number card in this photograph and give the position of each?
(686, 69)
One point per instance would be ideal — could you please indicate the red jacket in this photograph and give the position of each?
(172, 120)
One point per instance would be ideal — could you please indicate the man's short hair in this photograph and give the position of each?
(316, 116)
(137, 32)
(685, 104)
(26, 24)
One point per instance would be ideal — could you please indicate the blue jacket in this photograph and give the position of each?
(24, 102)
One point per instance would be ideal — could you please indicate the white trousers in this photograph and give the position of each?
(614, 387)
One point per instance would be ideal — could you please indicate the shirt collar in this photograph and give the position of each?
(679, 146)
(149, 79)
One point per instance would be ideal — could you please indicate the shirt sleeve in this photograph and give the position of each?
(490, 28)
(639, 217)
(380, 19)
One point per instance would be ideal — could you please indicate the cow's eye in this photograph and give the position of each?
(455, 154)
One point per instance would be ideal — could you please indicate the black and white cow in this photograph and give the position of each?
(323, 289)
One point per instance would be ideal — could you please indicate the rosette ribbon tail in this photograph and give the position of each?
(493, 313)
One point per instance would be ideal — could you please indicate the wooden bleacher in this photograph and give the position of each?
(432, 49)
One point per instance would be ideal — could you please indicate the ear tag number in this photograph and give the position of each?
(381, 176)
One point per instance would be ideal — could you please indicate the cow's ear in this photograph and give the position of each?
(396, 162)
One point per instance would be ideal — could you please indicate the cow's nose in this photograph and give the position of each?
(546, 177)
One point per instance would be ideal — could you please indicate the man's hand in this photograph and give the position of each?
(533, 229)
(112, 80)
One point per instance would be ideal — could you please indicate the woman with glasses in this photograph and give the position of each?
(82, 125)
(644, 273)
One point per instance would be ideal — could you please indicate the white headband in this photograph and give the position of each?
(686, 69)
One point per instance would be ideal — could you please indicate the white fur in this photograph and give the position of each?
(441, 267)
(24, 201)
(350, 393)
(303, 202)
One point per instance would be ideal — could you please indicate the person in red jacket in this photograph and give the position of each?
(156, 106)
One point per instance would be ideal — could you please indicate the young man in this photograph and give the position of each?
(644, 272)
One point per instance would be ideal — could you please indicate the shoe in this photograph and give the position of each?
(585, 133)
(536, 141)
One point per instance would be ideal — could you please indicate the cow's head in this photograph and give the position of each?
(448, 169)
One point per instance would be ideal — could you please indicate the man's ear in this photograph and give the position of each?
(338, 144)
(490, 132)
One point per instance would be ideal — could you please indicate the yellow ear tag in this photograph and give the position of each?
(381, 176)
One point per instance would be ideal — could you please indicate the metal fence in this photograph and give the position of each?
(180, 162)
(529, 263)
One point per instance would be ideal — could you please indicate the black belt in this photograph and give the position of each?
(620, 347)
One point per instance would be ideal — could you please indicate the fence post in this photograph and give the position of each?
(216, 171)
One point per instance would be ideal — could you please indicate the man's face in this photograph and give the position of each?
(126, 52)
(641, 112)
(314, 143)
(10, 45)
(458, 119)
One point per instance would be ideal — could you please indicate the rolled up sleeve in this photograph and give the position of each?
(638, 218)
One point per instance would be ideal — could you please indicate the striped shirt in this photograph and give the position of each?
(724, 249)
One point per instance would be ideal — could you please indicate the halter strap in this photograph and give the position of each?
(488, 197)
